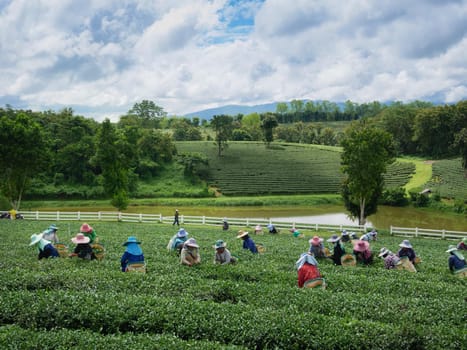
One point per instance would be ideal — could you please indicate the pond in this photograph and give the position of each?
(322, 214)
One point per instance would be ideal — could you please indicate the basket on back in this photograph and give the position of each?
(139, 267)
(99, 250)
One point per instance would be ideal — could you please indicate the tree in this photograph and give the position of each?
(222, 125)
(149, 113)
(25, 152)
(268, 123)
(367, 152)
(282, 108)
(114, 162)
(460, 142)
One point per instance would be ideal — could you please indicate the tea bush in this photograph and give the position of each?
(66, 303)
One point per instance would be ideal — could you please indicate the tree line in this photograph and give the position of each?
(49, 148)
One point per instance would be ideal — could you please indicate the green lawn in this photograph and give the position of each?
(65, 304)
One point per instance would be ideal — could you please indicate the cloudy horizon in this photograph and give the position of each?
(99, 57)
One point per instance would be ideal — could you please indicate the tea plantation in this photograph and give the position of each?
(70, 304)
(247, 168)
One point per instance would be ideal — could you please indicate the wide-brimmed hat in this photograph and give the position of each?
(35, 238)
(405, 244)
(85, 228)
(242, 233)
(451, 248)
(333, 238)
(360, 246)
(80, 238)
(53, 227)
(315, 241)
(191, 243)
(383, 252)
(345, 233)
(131, 239)
(219, 244)
(182, 233)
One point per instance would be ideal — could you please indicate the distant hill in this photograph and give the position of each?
(233, 110)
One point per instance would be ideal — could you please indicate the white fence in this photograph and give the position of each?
(183, 219)
(216, 221)
(423, 232)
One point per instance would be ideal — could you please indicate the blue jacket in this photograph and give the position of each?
(455, 263)
(249, 244)
(49, 251)
(130, 258)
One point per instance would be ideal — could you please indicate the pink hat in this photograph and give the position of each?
(361, 246)
(85, 228)
(315, 241)
(80, 238)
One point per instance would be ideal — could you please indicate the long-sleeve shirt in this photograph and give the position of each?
(337, 253)
(190, 256)
(307, 272)
(128, 258)
(391, 261)
(92, 235)
(455, 263)
(223, 258)
(84, 251)
(408, 252)
(49, 251)
(249, 244)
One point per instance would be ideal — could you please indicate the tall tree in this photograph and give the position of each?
(367, 152)
(113, 161)
(149, 113)
(268, 123)
(223, 126)
(25, 152)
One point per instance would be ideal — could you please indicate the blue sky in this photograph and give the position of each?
(102, 56)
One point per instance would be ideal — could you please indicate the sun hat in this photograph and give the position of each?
(130, 240)
(333, 238)
(383, 252)
(80, 238)
(360, 246)
(345, 233)
(182, 233)
(316, 241)
(53, 227)
(405, 244)
(191, 243)
(85, 228)
(35, 238)
(219, 244)
(464, 239)
(451, 248)
(242, 233)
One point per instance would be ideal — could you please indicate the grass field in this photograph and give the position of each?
(249, 168)
(69, 304)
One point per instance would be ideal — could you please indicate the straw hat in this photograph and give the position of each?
(333, 238)
(182, 233)
(85, 228)
(383, 252)
(130, 240)
(35, 238)
(316, 241)
(242, 234)
(191, 243)
(80, 238)
(219, 244)
(405, 244)
(451, 248)
(361, 246)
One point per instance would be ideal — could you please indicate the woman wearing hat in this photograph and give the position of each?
(362, 252)
(178, 240)
(345, 237)
(462, 244)
(83, 249)
(390, 259)
(225, 224)
(456, 261)
(248, 243)
(370, 236)
(222, 255)
(272, 229)
(133, 253)
(44, 247)
(50, 234)
(190, 253)
(317, 247)
(89, 232)
(308, 272)
(406, 251)
(338, 249)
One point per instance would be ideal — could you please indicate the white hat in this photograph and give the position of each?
(405, 244)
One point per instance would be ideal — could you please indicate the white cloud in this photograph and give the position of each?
(103, 56)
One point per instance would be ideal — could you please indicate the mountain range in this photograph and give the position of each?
(233, 110)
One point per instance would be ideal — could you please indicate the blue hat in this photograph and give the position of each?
(131, 239)
(182, 233)
(53, 227)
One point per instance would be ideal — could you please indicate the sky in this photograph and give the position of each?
(100, 57)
